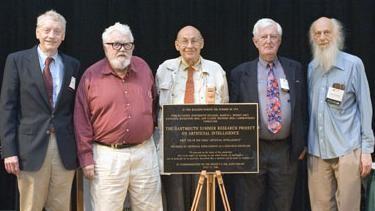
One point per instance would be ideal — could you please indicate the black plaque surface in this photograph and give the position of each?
(211, 137)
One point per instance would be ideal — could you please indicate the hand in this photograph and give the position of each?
(366, 163)
(303, 153)
(11, 165)
(89, 171)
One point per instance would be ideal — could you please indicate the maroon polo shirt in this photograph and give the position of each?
(113, 110)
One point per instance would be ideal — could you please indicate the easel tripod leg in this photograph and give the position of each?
(223, 192)
(198, 192)
(210, 192)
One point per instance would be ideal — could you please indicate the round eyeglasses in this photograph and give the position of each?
(118, 46)
(185, 42)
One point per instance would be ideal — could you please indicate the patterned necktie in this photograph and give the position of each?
(47, 76)
(274, 104)
(189, 88)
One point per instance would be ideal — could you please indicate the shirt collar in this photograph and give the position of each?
(264, 64)
(43, 56)
(196, 66)
(199, 66)
(339, 62)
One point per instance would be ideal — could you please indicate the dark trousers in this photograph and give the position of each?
(272, 188)
(178, 192)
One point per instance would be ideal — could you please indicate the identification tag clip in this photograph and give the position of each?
(284, 84)
(335, 94)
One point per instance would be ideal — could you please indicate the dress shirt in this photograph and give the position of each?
(336, 130)
(112, 110)
(264, 132)
(57, 71)
(199, 83)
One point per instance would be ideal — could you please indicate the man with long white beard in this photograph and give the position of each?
(113, 120)
(340, 137)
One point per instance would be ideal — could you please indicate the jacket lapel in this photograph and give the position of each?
(67, 75)
(290, 76)
(250, 82)
(37, 74)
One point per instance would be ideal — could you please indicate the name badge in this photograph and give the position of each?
(335, 94)
(284, 84)
(210, 94)
(72, 83)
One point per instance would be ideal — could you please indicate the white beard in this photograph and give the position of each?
(325, 57)
(119, 63)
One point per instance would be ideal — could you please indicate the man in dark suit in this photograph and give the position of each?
(37, 99)
(278, 85)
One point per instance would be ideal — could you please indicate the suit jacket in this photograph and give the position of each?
(26, 114)
(244, 89)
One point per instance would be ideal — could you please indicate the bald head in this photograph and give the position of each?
(190, 30)
(189, 43)
(325, 31)
(323, 20)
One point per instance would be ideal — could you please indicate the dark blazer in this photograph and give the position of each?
(244, 89)
(26, 114)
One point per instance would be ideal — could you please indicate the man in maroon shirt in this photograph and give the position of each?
(114, 124)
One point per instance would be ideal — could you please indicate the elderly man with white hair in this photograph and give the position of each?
(340, 138)
(114, 122)
(36, 110)
(277, 84)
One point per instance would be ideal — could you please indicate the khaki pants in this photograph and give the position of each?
(118, 171)
(335, 184)
(49, 187)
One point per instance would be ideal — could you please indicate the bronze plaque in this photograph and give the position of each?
(210, 137)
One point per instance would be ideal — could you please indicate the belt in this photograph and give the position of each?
(116, 146)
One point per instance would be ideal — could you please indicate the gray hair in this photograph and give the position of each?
(266, 22)
(122, 28)
(337, 31)
(51, 15)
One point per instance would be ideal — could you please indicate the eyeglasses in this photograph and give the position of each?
(185, 42)
(272, 37)
(118, 46)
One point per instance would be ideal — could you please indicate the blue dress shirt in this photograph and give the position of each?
(56, 68)
(336, 130)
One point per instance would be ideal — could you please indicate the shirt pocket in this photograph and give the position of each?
(165, 93)
(148, 102)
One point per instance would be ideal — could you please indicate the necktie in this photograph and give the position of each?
(273, 104)
(189, 88)
(47, 76)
